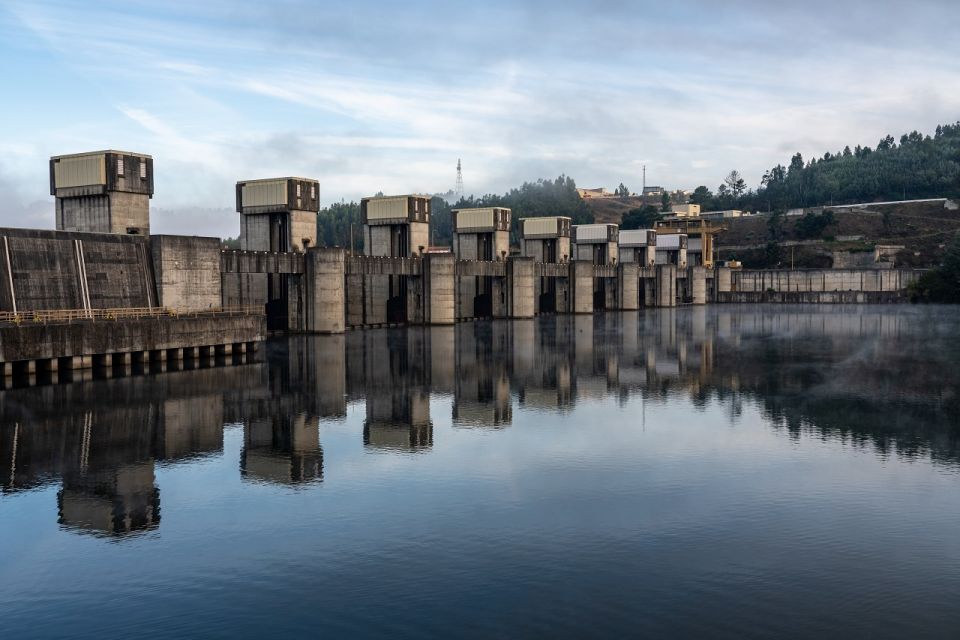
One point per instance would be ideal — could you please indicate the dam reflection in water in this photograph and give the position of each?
(840, 373)
(882, 380)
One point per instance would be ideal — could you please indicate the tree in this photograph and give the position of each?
(735, 183)
(665, 202)
(701, 196)
(622, 191)
(644, 217)
(943, 283)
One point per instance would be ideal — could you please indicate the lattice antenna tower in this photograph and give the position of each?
(459, 188)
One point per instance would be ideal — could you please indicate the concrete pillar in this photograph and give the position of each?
(7, 369)
(666, 285)
(520, 282)
(724, 280)
(439, 284)
(324, 292)
(698, 285)
(628, 283)
(582, 286)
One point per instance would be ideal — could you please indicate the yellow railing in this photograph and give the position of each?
(60, 316)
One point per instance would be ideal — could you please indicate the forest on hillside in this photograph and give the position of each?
(532, 199)
(919, 166)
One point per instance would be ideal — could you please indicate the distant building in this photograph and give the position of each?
(720, 215)
(600, 192)
(685, 210)
(653, 191)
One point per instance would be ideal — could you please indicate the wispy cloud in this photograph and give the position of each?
(373, 95)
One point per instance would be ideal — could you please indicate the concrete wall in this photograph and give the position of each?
(43, 341)
(112, 212)
(62, 270)
(814, 285)
(187, 272)
(303, 230)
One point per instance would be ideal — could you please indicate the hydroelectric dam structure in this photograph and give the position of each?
(100, 295)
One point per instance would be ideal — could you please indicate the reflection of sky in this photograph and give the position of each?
(615, 515)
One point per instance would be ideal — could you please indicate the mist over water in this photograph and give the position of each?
(725, 471)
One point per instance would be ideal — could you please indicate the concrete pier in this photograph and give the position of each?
(325, 282)
(628, 281)
(582, 277)
(440, 294)
(666, 285)
(520, 277)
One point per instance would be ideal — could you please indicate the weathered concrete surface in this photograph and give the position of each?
(582, 277)
(42, 269)
(666, 285)
(187, 270)
(520, 278)
(439, 285)
(815, 285)
(82, 338)
(698, 285)
(261, 262)
(325, 300)
(628, 282)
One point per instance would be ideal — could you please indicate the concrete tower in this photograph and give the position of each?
(102, 191)
(395, 226)
(546, 239)
(278, 214)
(596, 243)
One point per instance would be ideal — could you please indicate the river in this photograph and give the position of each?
(724, 471)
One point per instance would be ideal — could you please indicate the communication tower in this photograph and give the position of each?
(459, 188)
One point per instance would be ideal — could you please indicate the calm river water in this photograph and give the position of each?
(729, 472)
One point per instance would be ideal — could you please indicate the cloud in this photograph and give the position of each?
(371, 96)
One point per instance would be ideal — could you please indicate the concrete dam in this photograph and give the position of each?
(100, 294)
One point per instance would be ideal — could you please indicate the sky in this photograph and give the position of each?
(386, 96)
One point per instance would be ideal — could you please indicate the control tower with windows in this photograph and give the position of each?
(278, 214)
(395, 226)
(102, 191)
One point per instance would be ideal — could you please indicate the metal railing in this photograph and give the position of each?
(66, 316)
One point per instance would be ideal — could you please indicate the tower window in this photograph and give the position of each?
(298, 189)
(120, 166)
(143, 169)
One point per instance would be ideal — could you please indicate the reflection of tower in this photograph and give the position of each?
(482, 395)
(399, 419)
(110, 501)
(285, 450)
(395, 381)
(459, 188)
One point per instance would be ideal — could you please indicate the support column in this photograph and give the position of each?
(724, 282)
(325, 300)
(698, 285)
(582, 286)
(666, 285)
(520, 283)
(628, 282)
(439, 285)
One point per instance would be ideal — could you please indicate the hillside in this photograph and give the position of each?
(924, 229)
(608, 210)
